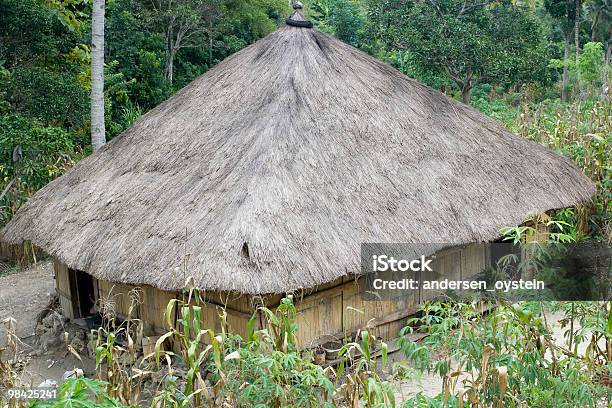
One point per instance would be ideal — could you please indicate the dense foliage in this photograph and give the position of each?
(506, 58)
(541, 68)
(464, 41)
(505, 358)
(509, 357)
(45, 72)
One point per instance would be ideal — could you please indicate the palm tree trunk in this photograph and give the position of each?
(577, 46)
(98, 138)
(210, 42)
(607, 57)
(565, 70)
(577, 30)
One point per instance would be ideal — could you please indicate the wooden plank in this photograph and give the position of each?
(396, 321)
(318, 315)
(62, 281)
(64, 289)
(359, 313)
(211, 318)
(231, 300)
(446, 265)
(153, 309)
(473, 260)
(66, 305)
(118, 297)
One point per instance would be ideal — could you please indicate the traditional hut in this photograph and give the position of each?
(263, 177)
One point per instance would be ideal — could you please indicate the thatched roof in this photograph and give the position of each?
(271, 169)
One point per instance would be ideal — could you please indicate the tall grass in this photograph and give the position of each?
(583, 132)
(506, 357)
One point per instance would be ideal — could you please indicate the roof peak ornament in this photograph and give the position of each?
(297, 18)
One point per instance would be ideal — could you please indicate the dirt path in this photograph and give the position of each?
(23, 295)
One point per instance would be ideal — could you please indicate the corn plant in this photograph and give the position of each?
(187, 337)
(81, 392)
(9, 371)
(115, 348)
(363, 383)
(9, 379)
(583, 132)
(506, 358)
(268, 368)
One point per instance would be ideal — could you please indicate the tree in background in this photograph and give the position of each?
(600, 15)
(98, 133)
(485, 48)
(198, 24)
(46, 77)
(184, 24)
(344, 19)
(563, 13)
(471, 41)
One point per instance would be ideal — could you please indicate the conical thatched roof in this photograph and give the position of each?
(273, 167)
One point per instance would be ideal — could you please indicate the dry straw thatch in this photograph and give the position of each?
(271, 169)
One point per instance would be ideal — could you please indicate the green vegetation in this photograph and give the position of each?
(516, 62)
(509, 358)
(81, 392)
(502, 44)
(45, 72)
(532, 66)
(504, 358)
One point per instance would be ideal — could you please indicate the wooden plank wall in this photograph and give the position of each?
(342, 310)
(118, 297)
(153, 304)
(474, 258)
(238, 310)
(320, 313)
(62, 287)
(326, 313)
(153, 309)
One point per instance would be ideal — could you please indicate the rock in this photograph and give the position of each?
(72, 374)
(78, 344)
(48, 384)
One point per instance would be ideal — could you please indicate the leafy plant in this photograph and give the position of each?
(81, 392)
(364, 384)
(506, 358)
(114, 347)
(32, 156)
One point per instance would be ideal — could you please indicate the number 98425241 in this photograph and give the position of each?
(37, 393)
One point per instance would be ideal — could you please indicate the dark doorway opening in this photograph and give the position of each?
(83, 293)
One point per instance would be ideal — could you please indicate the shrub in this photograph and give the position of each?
(30, 157)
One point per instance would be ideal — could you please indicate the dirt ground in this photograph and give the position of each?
(430, 384)
(24, 294)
